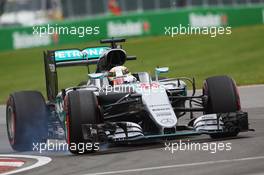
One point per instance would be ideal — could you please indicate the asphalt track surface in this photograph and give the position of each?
(245, 157)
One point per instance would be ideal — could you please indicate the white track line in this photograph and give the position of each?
(176, 166)
(251, 86)
(40, 162)
(13, 164)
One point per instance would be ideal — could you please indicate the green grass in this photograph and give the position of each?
(239, 55)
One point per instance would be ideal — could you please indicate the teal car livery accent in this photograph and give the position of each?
(75, 54)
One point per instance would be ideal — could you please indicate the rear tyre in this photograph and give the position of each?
(82, 108)
(26, 119)
(222, 97)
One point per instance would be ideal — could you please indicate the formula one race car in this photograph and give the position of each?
(116, 106)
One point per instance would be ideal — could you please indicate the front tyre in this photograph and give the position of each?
(26, 120)
(222, 97)
(82, 108)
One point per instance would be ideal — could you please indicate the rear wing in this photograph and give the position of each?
(68, 57)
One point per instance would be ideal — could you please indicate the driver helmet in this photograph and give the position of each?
(120, 75)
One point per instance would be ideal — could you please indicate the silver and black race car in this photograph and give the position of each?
(116, 106)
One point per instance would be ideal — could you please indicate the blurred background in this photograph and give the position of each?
(79, 8)
(30, 12)
(239, 55)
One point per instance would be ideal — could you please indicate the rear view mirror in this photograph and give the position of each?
(160, 70)
(96, 75)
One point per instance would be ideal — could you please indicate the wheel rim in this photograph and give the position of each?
(11, 124)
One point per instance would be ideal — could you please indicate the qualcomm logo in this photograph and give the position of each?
(127, 28)
(207, 20)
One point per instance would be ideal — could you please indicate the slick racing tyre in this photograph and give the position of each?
(222, 97)
(82, 108)
(26, 120)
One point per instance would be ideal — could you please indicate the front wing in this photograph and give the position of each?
(127, 132)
